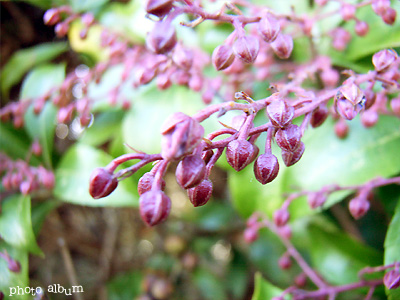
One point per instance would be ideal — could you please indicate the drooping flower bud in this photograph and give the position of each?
(330, 77)
(300, 280)
(341, 37)
(389, 16)
(190, 171)
(269, 28)
(349, 101)
(383, 59)
(361, 28)
(51, 16)
(290, 158)
(222, 57)
(288, 138)
(26, 187)
(380, 6)
(392, 279)
(250, 235)
(316, 199)
(369, 118)
(46, 177)
(13, 265)
(154, 207)
(285, 262)
(246, 48)
(319, 116)
(239, 154)
(102, 183)
(348, 11)
(266, 168)
(159, 8)
(36, 148)
(358, 207)
(283, 46)
(281, 217)
(395, 106)
(146, 181)
(162, 38)
(61, 29)
(280, 113)
(200, 194)
(181, 134)
(182, 57)
(341, 129)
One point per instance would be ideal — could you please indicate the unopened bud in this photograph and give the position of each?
(389, 16)
(341, 129)
(102, 183)
(222, 57)
(319, 115)
(285, 262)
(266, 168)
(330, 77)
(341, 37)
(361, 28)
(292, 157)
(159, 8)
(316, 199)
(145, 183)
(200, 194)
(300, 280)
(285, 231)
(280, 113)
(182, 57)
(250, 235)
(370, 98)
(281, 217)
(392, 279)
(196, 82)
(239, 154)
(246, 48)
(269, 28)
(288, 138)
(369, 118)
(380, 6)
(358, 207)
(383, 59)
(88, 19)
(349, 101)
(36, 148)
(162, 38)
(181, 135)
(283, 46)
(51, 16)
(26, 187)
(190, 171)
(154, 207)
(395, 106)
(61, 29)
(46, 178)
(348, 11)
(163, 81)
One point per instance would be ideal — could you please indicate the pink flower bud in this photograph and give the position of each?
(51, 16)
(369, 118)
(146, 181)
(281, 217)
(319, 115)
(389, 16)
(200, 194)
(380, 6)
(61, 29)
(181, 134)
(288, 138)
(163, 81)
(14, 266)
(321, 2)
(280, 113)
(269, 28)
(190, 171)
(154, 207)
(349, 101)
(395, 106)
(246, 48)
(26, 187)
(392, 279)
(292, 157)
(162, 38)
(250, 235)
(285, 231)
(266, 168)
(36, 148)
(182, 57)
(316, 200)
(283, 46)
(358, 207)
(159, 8)
(300, 280)
(361, 28)
(102, 183)
(6, 182)
(341, 129)
(88, 19)
(196, 82)
(383, 59)
(341, 38)
(239, 154)
(285, 262)
(330, 77)
(222, 57)
(348, 11)
(64, 114)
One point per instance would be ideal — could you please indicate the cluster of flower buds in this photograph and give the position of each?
(18, 175)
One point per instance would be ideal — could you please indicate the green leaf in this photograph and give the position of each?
(264, 290)
(41, 80)
(16, 225)
(25, 59)
(237, 275)
(209, 285)
(85, 5)
(392, 247)
(72, 179)
(42, 127)
(10, 279)
(338, 257)
(125, 287)
(39, 214)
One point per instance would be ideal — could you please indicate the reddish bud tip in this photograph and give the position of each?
(145, 183)
(246, 48)
(288, 138)
(300, 280)
(358, 207)
(239, 154)
(159, 8)
(283, 46)
(266, 168)
(292, 157)
(392, 279)
(383, 59)
(280, 113)
(190, 171)
(389, 16)
(319, 115)
(222, 57)
(200, 194)
(285, 262)
(154, 207)
(102, 183)
(162, 38)
(51, 16)
(250, 235)
(281, 217)
(269, 28)
(61, 29)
